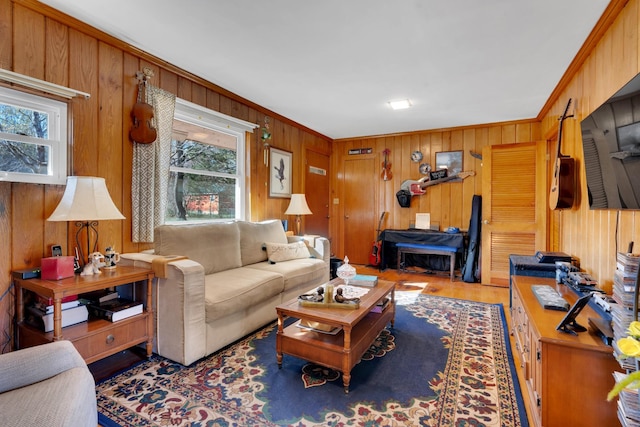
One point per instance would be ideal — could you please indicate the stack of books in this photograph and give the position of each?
(364, 280)
(381, 306)
(40, 313)
(115, 309)
(623, 294)
(46, 304)
(98, 297)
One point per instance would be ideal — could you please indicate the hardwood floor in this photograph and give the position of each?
(439, 284)
(433, 284)
(109, 366)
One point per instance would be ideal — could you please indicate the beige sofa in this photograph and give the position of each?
(227, 287)
(47, 385)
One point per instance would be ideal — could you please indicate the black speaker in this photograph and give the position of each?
(404, 198)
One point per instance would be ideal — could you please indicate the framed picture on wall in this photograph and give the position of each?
(279, 173)
(450, 160)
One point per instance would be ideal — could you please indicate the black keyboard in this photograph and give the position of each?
(549, 298)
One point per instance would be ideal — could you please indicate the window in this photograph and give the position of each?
(206, 180)
(33, 138)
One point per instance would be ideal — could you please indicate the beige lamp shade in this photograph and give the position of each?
(86, 201)
(86, 198)
(298, 206)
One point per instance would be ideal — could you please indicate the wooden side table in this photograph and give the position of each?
(96, 338)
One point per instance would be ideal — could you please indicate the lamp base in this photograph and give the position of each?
(298, 223)
(90, 227)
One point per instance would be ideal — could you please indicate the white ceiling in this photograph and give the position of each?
(332, 65)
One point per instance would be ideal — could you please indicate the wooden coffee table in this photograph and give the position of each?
(341, 351)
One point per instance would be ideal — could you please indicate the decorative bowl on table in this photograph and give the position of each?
(346, 271)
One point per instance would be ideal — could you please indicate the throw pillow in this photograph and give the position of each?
(277, 252)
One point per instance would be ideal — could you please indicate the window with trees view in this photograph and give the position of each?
(206, 179)
(33, 138)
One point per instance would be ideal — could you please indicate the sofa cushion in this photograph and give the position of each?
(234, 290)
(278, 252)
(214, 245)
(309, 242)
(253, 236)
(297, 272)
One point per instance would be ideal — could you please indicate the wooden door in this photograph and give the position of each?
(514, 206)
(316, 189)
(359, 214)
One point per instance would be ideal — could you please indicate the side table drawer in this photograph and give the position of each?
(106, 341)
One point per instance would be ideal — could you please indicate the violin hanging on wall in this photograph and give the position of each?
(386, 166)
(142, 131)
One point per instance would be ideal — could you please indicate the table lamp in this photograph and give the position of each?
(86, 200)
(298, 206)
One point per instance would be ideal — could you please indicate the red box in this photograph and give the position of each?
(56, 267)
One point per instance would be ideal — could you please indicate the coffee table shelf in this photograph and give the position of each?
(343, 350)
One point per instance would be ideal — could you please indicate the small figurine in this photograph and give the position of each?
(342, 299)
(317, 297)
(96, 260)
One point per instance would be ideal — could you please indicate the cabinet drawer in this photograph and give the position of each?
(520, 328)
(119, 336)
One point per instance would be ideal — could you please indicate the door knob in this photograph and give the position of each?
(346, 217)
(485, 221)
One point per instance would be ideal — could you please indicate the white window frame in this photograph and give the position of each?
(195, 114)
(57, 141)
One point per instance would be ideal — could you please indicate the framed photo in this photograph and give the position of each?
(450, 160)
(279, 173)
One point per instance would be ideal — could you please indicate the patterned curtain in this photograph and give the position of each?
(151, 168)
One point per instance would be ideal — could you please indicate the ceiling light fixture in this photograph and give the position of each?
(400, 105)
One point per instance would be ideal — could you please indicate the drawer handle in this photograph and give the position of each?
(110, 339)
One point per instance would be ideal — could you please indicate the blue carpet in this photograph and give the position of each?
(399, 375)
(446, 362)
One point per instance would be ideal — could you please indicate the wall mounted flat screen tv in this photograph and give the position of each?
(611, 143)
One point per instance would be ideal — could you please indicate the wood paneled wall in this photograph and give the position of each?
(450, 203)
(594, 236)
(38, 41)
(609, 59)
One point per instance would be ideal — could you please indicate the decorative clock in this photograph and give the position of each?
(425, 168)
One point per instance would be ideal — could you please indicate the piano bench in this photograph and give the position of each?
(414, 248)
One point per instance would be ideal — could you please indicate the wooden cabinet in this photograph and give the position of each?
(96, 338)
(567, 376)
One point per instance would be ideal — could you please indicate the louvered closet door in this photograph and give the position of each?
(514, 206)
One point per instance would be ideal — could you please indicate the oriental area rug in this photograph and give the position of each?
(446, 362)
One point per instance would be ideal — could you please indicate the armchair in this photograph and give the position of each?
(48, 384)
